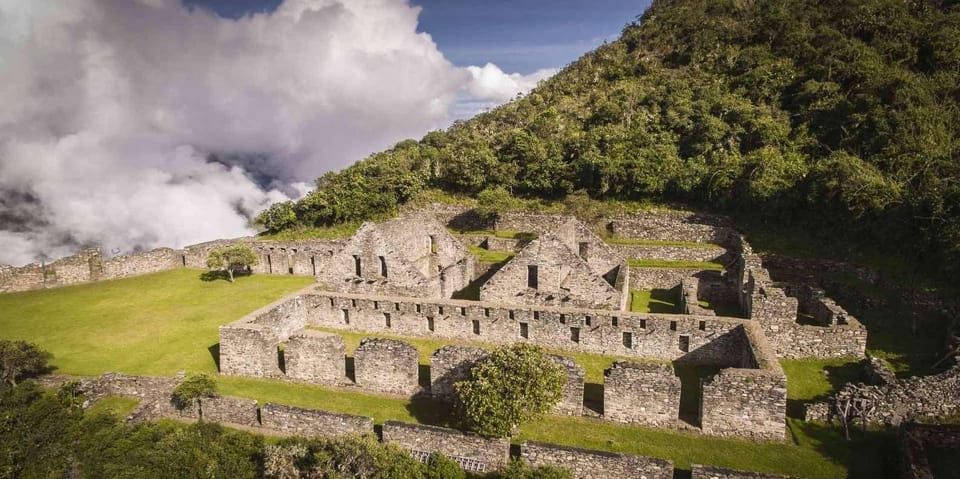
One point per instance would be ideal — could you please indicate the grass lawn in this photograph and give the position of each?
(678, 264)
(313, 232)
(155, 324)
(663, 301)
(645, 242)
(818, 451)
(493, 257)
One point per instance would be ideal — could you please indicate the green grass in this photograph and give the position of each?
(155, 324)
(678, 264)
(818, 451)
(115, 405)
(646, 242)
(662, 301)
(484, 255)
(810, 380)
(505, 234)
(313, 232)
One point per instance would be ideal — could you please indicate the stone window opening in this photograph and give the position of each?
(313, 264)
(290, 270)
(376, 305)
(269, 264)
(536, 315)
(684, 343)
(575, 335)
(524, 330)
(430, 325)
(383, 266)
(703, 325)
(533, 281)
(345, 316)
(563, 319)
(386, 320)
(356, 265)
(440, 309)
(353, 303)
(183, 257)
(643, 324)
(628, 340)
(463, 311)
(396, 306)
(510, 314)
(476, 327)
(332, 303)
(433, 244)
(419, 309)
(583, 249)
(616, 321)
(587, 319)
(486, 312)
(673, 325)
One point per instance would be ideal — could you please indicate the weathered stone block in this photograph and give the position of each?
(641, 393)
(571, 403)
(387, 365)
(473, 453)
(316, 357)
(587, 464)
(313, 422)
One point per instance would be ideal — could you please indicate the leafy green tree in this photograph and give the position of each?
(517, 469)
(231, 259)
(512, 385)
(279, 216)
(493, 201)
(442, 467)
(192, 390)
(20, 360)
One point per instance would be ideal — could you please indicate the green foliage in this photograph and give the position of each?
(193, 389)
(20, 360)
(442, 467)
(278, 217)
(520, 470)
(356, 457)
(233, 258)
(493, 201)
(512, 385)
(840, 118)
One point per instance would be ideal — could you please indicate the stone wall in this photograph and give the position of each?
(387, 365)
(914, 441)
(748, 401)
(708, 252)
(571, 401)
(529, 222)
(248, 350)
(473, 453)
(450, 364)
(315, 357)
(587, 464)
(659, 278)
(710, 472)
(922, 398)
(694, 339)
(641, 393)
(135, 264)
(313, 422)
(674, 226)
(228, 409)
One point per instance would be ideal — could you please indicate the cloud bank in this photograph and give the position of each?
(140, 123)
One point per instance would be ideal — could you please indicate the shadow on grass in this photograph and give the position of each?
(872, 453)
(664, 301)
(427, 410)
(215, 354)
(837, 376)
(472, 291)
(209, 276)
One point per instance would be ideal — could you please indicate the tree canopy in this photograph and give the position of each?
(231, 259)
(20, 360)
(512, 385)
(841, 117)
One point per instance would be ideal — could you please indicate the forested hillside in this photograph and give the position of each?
(840, 117)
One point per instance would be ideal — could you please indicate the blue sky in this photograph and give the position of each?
(519, 36)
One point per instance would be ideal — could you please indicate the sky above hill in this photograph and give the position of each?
(146, 123)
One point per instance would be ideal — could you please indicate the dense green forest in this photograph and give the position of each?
(837, 117)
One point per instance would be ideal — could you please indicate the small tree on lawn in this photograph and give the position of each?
(493, 201)
(20, 360)
(232, 258)
(192, 390)
(512, 385)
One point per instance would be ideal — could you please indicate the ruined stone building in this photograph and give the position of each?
(412, 255)
(569, 266)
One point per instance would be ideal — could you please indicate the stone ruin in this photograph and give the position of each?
(387, 365)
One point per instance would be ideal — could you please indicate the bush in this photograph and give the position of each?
(20, 360)
(512, 385)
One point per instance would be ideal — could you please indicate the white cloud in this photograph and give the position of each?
(111, 109)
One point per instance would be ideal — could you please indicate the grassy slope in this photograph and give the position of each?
(154, 324)
(680, 264)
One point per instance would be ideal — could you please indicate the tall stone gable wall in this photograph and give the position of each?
(586, 464)
(472, 452)
(641, 393)
(564, 279)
